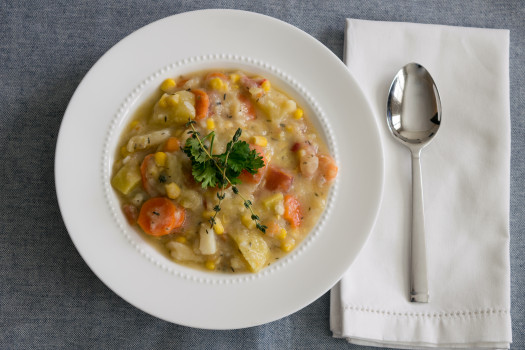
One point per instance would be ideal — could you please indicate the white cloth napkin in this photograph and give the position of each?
(466, 195)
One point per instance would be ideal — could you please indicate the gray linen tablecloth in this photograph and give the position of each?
(49, 298)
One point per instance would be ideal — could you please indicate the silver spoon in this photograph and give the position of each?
(414, 116)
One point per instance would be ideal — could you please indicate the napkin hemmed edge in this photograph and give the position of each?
(462, 327)
(401, 345)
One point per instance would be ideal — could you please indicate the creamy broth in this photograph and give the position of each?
(162, 199)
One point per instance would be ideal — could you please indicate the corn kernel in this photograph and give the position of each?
(172, 190)
(287, 246)
(259, 141)
(167, 85)
(298, 114)
(210, 265)
(288, 128)
(235, 77)
(282, 234)
(216, 83)
(160, 158)
(172, 100)
(181, 239)
(218, 227)
(266, 85)
(134, 124)
(210, 124)
(247, 221)
(124, 151)
(207, 214)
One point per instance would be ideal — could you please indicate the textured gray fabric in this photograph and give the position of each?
(49, 298)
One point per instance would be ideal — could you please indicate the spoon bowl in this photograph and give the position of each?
(413, 107)
(414, 117)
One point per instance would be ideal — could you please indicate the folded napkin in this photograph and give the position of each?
(465, 169)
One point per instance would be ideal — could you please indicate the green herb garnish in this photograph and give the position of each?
(212, 170)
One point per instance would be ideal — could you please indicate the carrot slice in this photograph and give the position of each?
(246, 176)
(292, 211)
(328, 167)
(216, 75)
(273, 229)
(247, 106)
(278, 180)
(172, 144)
(143, 173)
(202, 103)
(159, 216)
(131, 213)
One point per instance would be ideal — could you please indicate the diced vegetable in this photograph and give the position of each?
(146, 163)
(131, 213)
(190, 199)
(140, 142)
(202, 103)
(217, 84)
(328, 167)
(276, 231)
(282, 233)
(127, 178)
(167, 85)
(308, 163)
(234, 77)
(298, 114)
(219, 75)
(246, 106)
(259, 141)
(172, 144)
(181, 252)
(266, 85)
(218, 227)
(175, 109)
(292, 211)
(175, 170)
(160, 159)
(253, 248)
(278, 180)
(247, 221)
(237, 263)
(172, 190)
(274, 103)
(210, 265)
(181, 239)
(288, 244)
(207, 243)
(159, 216)
(271, 201)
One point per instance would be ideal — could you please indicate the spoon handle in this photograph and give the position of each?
(418, 255)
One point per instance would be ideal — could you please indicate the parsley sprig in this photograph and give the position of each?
(212, 170)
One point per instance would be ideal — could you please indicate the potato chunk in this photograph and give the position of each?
(174, 109)
(127, 178)
(208, 243)
(253, 248)
(181, 252)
